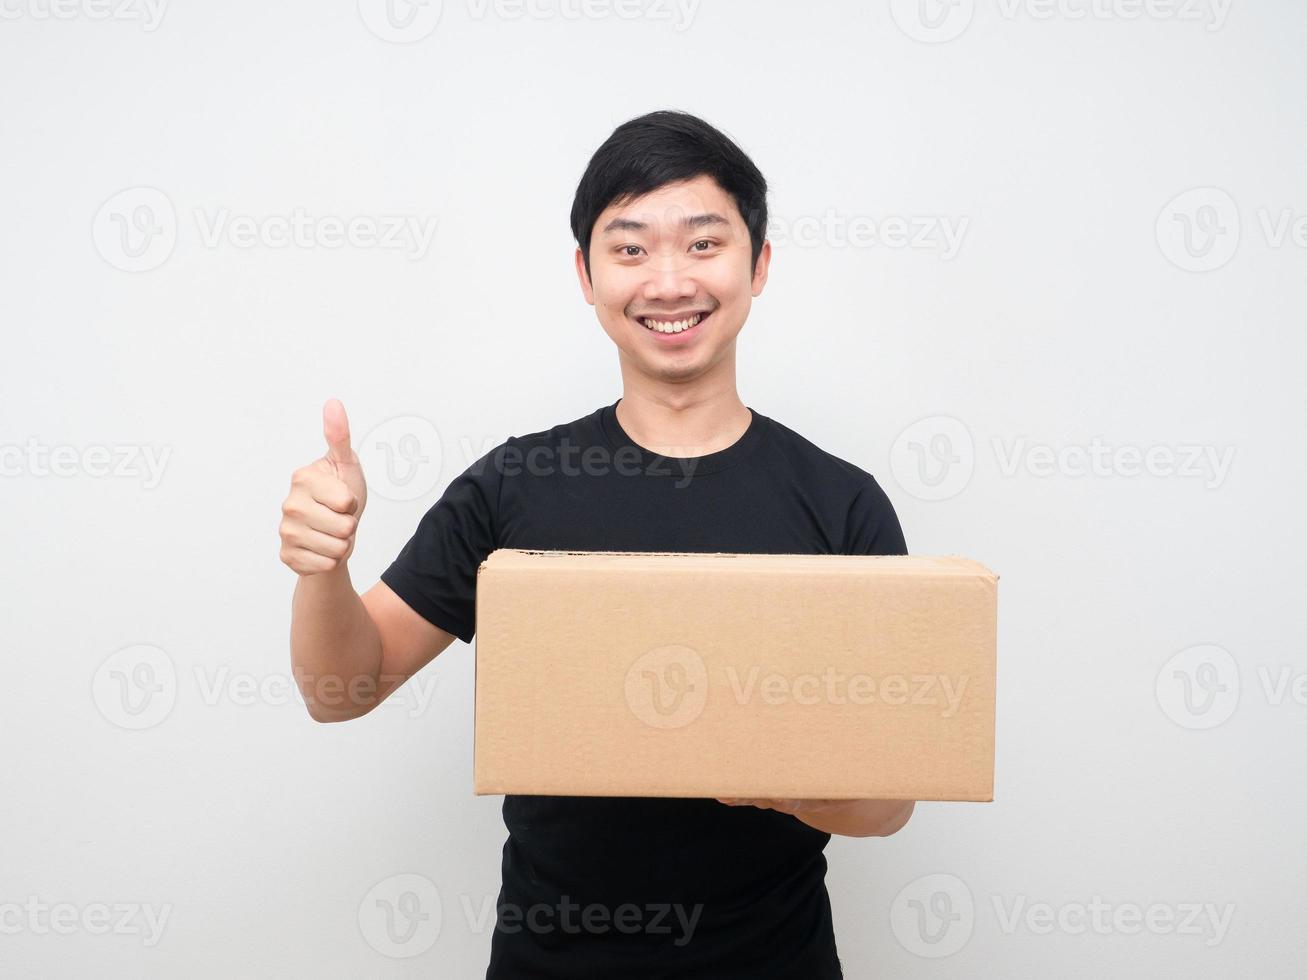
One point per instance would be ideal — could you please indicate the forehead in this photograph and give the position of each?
(699, 203)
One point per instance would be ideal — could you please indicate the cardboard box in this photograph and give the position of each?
(725, 675)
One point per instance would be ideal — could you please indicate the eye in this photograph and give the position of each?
(702, 241)
(627, 254)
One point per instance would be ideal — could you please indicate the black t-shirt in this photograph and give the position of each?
(644, 887)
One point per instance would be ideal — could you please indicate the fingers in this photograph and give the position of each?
(326, 545)
(317, 525)
(303, 562)
(318, 485)
(781, 806)
(323, 504)
(327, 521)
(309, 551)
(335, 496)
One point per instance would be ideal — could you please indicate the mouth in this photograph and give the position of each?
(678, 328)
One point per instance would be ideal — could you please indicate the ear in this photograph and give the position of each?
(760, 270)
(587, 290)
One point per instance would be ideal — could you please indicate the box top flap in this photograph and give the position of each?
(930, 565)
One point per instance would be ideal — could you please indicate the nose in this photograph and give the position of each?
(669, 281)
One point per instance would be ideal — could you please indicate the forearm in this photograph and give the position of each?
(335, 647)
(856, 818)
(848, 818)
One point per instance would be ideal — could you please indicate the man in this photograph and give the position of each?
(670, 219)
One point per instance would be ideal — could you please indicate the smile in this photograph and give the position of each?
(667, 325)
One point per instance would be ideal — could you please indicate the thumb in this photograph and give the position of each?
(335, 428)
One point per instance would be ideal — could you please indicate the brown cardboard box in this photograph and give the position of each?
(723, 675)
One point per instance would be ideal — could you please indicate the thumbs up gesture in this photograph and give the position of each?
(321, 513)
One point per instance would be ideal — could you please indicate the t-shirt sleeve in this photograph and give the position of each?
(873, 527)
(436, 572)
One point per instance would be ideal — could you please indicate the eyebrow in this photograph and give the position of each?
(691, 221)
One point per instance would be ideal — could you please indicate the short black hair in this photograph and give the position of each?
(660, 148)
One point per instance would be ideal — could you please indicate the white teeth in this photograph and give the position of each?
(675, 327)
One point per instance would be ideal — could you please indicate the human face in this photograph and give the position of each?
(679, 253)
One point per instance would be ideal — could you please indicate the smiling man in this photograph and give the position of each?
(670, 219)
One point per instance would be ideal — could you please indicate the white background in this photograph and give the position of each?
(1075, 142)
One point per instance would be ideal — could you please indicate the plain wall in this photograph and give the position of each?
(1093, 386)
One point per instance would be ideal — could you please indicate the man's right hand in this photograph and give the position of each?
(321, 514)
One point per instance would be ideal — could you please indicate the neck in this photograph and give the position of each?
(682, 421)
